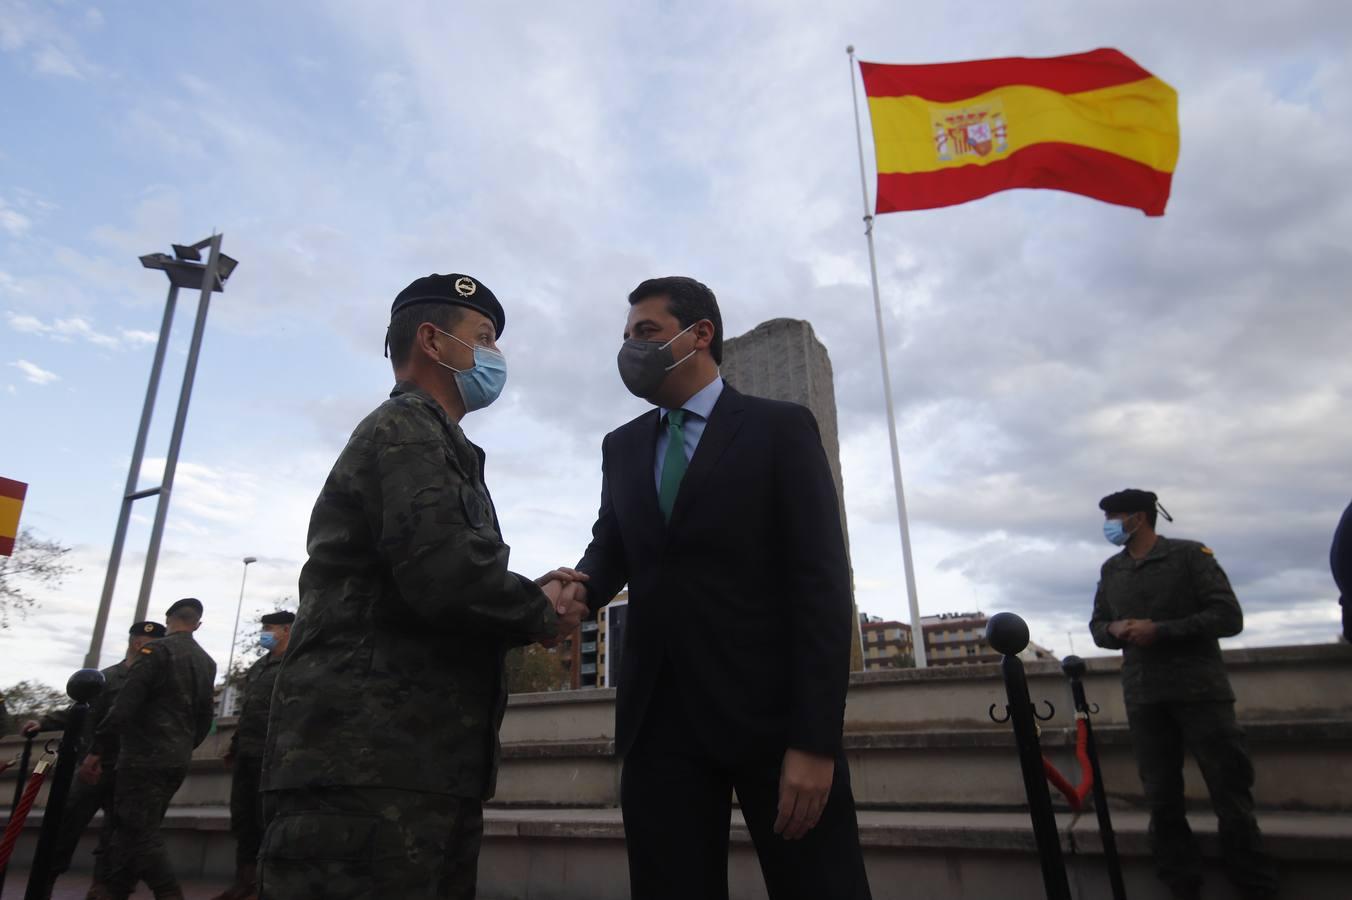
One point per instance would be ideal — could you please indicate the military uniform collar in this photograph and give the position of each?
(427, 400)
(1161, 549)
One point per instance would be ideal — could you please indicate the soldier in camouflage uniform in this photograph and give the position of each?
(245, 756)
(91, 790)
(383, 735)
(162, 713)
(1164, 602)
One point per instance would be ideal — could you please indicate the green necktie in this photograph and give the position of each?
(673, 463)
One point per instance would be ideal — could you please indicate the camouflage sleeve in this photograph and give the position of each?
(144, 675)
(604, 559)
(436, 531)
(55, 720)
(1099, 621)
(204, 709)
(1219, 614)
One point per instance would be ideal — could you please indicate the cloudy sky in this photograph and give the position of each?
(1046, 349)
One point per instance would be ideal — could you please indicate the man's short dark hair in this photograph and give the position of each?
(404, 327)
(1152, 516)
(188, 615)
(689, 301)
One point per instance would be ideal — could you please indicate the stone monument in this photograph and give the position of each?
(782, 359)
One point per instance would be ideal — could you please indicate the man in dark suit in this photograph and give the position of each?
(719, 512)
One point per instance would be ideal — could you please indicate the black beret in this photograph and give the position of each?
(147, 629)
(186, 601)
(279, 618)
(456, 290)
(1131, 500)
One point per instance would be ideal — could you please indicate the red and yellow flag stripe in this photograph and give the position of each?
(11, 504)
(1092, 123)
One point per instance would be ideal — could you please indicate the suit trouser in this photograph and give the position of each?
(136, 850)
(1160, 733)
(677, 803)
(246, 808)
(356, 843)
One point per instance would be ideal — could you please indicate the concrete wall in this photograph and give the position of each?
(936, 780)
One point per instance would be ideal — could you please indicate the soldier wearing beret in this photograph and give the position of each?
(163, 711)
(245, 755)
(382, 738)
(1165, 602)
(92, 791)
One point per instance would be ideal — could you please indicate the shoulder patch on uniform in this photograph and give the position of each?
(147, 651)
(1208, 551)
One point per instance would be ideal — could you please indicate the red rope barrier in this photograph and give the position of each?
(1075, 795)
(21, 811)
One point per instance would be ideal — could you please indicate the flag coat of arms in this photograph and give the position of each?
(1091, 123)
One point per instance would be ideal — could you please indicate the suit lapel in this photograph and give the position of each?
(639, 468)
(718, 433)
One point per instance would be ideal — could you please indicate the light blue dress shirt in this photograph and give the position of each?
(698, 409)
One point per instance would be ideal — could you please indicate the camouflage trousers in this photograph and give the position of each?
(83, 802)
(246, 809)
(136, 850)
(1160, 733)
(351, 843)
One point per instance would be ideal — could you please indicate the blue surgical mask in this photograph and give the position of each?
(1115, 532)
(267, 640)
(481, 385)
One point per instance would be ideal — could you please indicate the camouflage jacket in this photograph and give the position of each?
(165, 707)
(1180, 586)
(251, 731)
(394, 673)
(113, 678)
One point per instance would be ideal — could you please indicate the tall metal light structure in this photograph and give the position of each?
(185, 270)
(234, 635)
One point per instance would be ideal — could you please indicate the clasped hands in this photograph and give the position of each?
(567, 591)
(1141, 632)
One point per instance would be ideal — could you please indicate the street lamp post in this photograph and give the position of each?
(234, 635)
(185, 270)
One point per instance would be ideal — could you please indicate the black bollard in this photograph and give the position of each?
(82, 687)
(1008, 634)
(1074, 668)
(20, 782)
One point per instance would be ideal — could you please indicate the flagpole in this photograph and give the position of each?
(917, 631)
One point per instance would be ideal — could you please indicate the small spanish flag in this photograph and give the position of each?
(11, 504)
(1092, 123)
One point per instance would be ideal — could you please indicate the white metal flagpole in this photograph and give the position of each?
(917, 632)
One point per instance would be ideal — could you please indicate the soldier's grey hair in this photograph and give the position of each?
(404, 327)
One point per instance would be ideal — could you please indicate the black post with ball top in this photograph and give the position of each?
(1008, 634)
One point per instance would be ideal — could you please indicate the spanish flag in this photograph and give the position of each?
(1092, 123)
(11, 504)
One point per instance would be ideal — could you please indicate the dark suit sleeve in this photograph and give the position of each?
(604, 560)
(817, 585)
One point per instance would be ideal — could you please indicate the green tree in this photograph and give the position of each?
(533, 669)
(33, 699)
(34, 562)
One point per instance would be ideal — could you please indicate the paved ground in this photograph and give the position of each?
(73, 887)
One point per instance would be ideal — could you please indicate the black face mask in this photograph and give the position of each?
(644, 364)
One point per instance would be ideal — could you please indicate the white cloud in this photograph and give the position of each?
(13, 222)
(76, 327)
(35, 373)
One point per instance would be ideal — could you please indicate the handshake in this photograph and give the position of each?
(567, 592)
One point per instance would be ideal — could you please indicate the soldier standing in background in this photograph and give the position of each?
(162, 713)
(93, 791)
(1164, 602)
(245, 756)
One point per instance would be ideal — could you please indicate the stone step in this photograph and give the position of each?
(1301, 765)
(563, 854)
